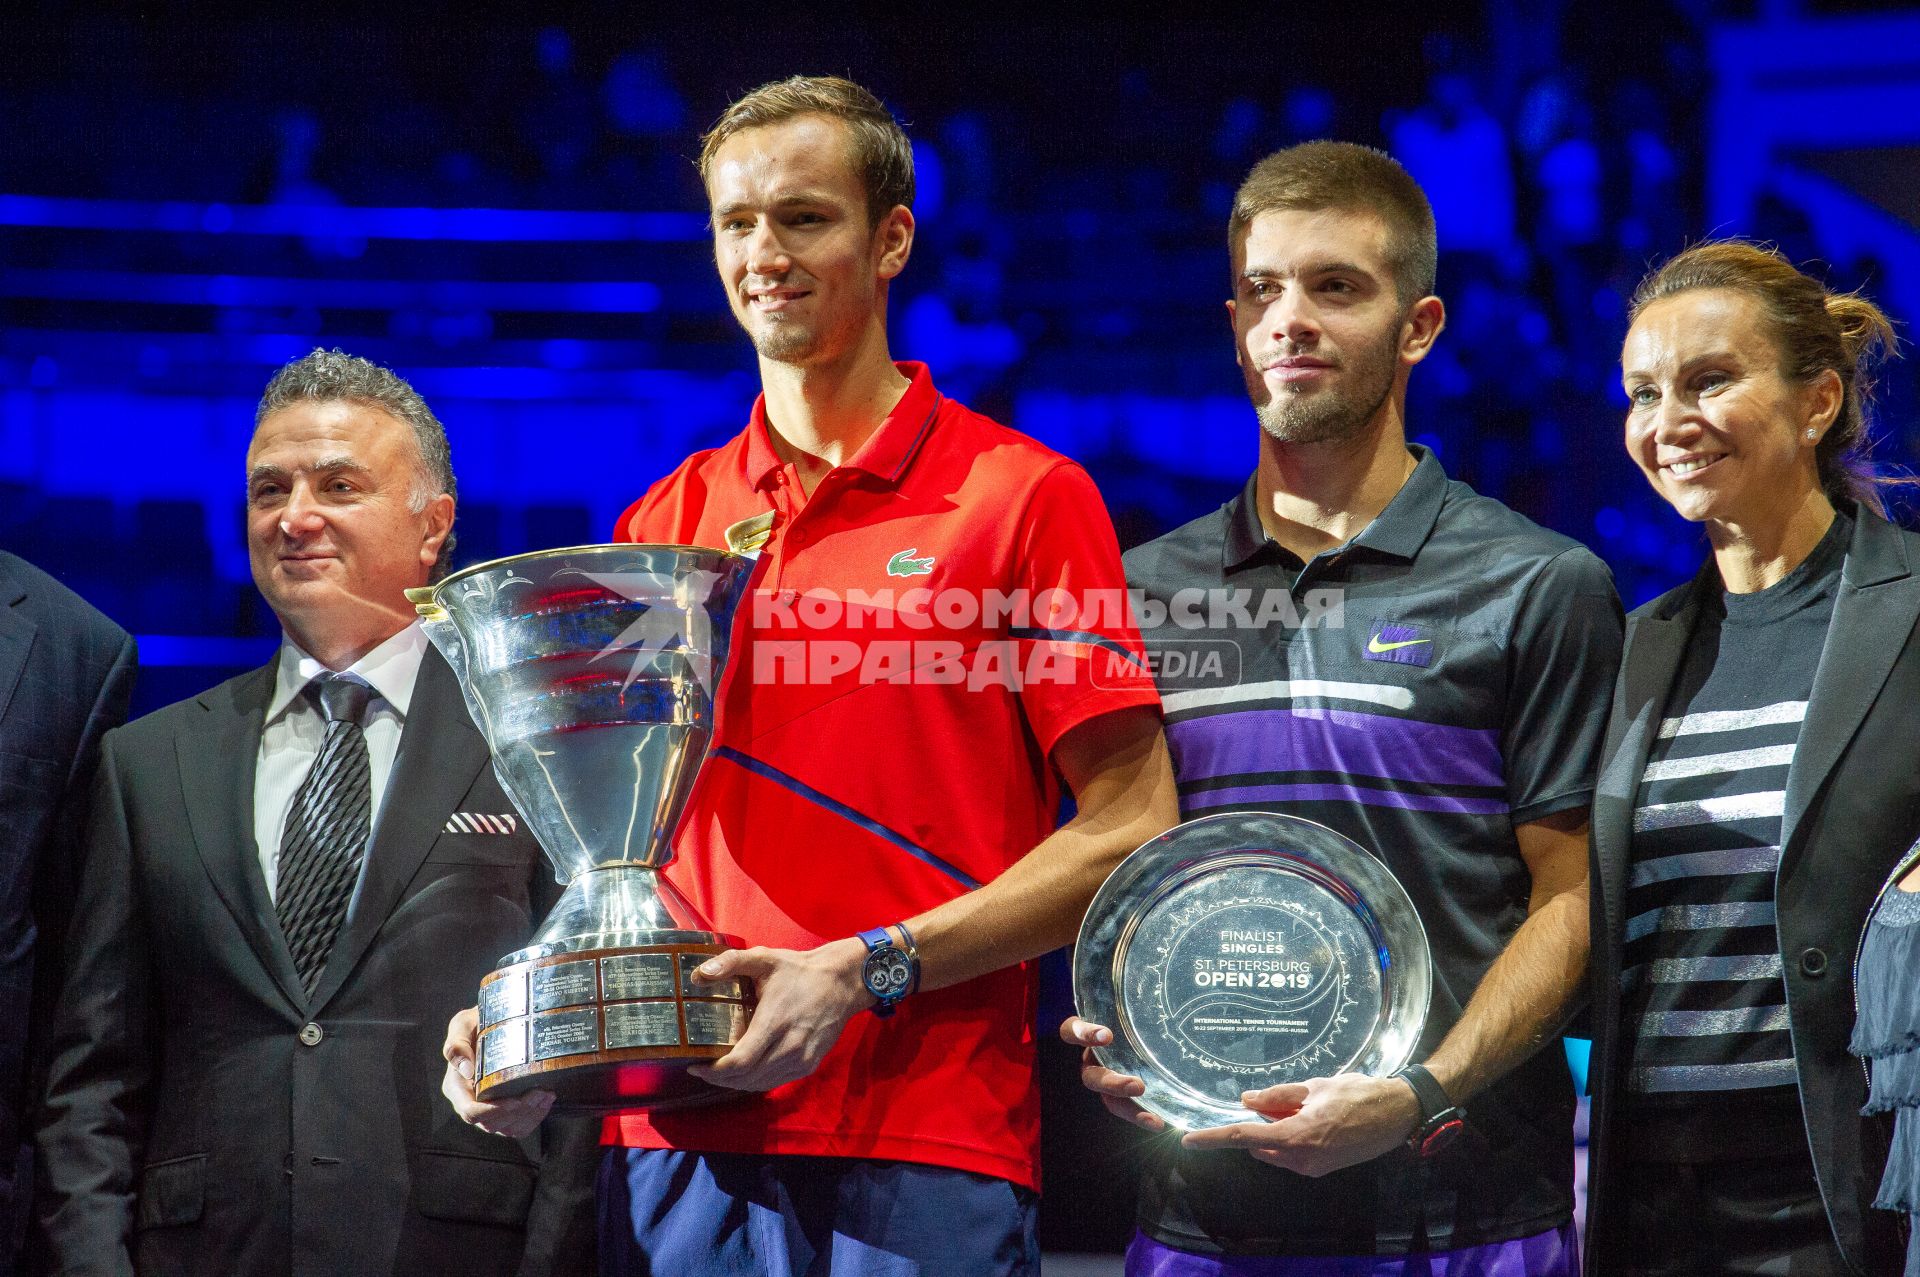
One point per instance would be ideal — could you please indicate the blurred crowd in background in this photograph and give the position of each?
(1073, 194)
(509, 216)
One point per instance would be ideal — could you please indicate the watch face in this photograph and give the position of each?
(1438, 1133)
(887, 973)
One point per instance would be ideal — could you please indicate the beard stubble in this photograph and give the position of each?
(1335, 414)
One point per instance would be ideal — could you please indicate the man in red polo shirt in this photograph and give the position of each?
(938, 642)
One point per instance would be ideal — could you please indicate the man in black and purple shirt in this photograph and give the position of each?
(1365, 643)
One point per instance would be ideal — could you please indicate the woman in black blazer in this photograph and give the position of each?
(1758, 784)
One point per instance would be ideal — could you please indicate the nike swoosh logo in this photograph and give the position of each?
(1375, 645)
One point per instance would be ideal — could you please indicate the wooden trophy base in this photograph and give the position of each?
(609, 1029)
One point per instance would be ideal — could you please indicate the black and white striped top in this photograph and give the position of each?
(1705, 1000)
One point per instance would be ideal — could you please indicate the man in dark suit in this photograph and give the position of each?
(65, 674)
(291, 882)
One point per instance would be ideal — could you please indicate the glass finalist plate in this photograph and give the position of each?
(1241, 951)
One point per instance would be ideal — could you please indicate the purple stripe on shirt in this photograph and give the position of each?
(1554, 1253)
(1308, 739)
(1201, 799)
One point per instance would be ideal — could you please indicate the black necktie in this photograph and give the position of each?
(326, 833)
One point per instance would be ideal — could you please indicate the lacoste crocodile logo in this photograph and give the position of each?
(904, 564)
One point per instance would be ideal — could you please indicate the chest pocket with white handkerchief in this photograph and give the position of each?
(483, 838)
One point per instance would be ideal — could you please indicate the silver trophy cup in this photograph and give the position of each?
(591, 673)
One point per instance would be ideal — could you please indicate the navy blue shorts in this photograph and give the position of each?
(673, 1214)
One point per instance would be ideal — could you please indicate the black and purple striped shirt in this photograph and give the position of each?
(1438, 680)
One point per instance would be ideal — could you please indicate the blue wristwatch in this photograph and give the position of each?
(891, 971)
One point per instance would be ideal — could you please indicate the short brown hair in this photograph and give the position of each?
(1341, 175)
(1814, 329)
(881, 154)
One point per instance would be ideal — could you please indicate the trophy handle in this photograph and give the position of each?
(748, 535)
(440, 630)
(421, 596)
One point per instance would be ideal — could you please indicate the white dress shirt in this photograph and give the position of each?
(295, 727)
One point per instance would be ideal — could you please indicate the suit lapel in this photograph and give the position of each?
(217, 764)
(1875, 611)
(16, 638)
(441, 755)
(1650, 661)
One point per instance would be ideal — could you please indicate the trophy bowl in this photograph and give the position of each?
(591, 672)
(1240, 951)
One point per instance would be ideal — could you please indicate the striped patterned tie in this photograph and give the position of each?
(326, 834)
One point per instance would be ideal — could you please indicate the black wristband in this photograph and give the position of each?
(1427, 1091)
(1441, 1120)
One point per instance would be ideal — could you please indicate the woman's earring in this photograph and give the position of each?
(1812, 434)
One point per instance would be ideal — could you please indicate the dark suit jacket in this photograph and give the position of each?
(65, 674)
(1852, 808)
(204, 1115)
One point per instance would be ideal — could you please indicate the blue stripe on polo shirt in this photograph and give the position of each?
(794, 784)
(1080, 638)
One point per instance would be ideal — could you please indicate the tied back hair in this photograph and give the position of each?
(1814, 329)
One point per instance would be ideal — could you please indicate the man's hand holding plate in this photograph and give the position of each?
(1321, 1125)
(1117, 1091)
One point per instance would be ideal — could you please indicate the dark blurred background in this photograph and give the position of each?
(506, 213)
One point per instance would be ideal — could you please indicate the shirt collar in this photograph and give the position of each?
(1399, 530)
(390, 669)
(886, 452)
(1245, 537)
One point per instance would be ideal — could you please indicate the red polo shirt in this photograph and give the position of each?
(928, 624)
